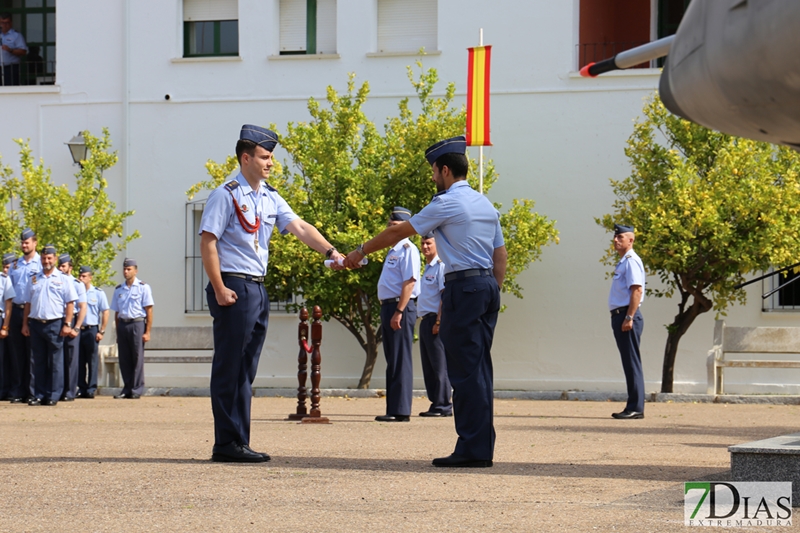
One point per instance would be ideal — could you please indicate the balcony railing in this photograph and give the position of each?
(32, 73)
(594, 52)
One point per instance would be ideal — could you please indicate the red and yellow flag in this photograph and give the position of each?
(478, 96)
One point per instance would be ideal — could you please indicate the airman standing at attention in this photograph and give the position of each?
(132, 304)
(6, 297)
(92, 332)
(47, 319)
(21, 371)
(72, 341)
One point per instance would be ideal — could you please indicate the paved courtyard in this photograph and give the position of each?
(108, 465)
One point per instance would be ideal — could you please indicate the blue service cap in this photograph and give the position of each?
(8, 258)
(454, 145)
(49, 249)
(26, 234)
(129, 263)
(618, 228)
(86, 269)
(400, 213)
(64, 258)
(267, 139)
(428, 235)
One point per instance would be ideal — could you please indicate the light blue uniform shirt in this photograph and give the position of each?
(12, 39)
(628, 272)
(49, 295)
(6, 292)
(401, 264)
(130, 302)
(431, 287)
(21, 272)
(80, 291)
(236, 248)
(466, 227)
(96, 303)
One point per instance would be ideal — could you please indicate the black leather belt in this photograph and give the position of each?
(246, 277)
(428, 315)
(50, 321)
(87, 327)
(21, 306)
(620, 310)
(469, 273)
(129, 320)
(394, 300)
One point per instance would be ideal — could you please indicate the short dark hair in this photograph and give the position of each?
(5, 16)
(457, 163)
(243, 146)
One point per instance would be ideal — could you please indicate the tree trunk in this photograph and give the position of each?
(371, 350)
(675, 331)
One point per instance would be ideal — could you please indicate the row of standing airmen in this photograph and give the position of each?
(52, 324)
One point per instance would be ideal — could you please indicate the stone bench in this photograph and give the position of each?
(749, 340)
(163, 339)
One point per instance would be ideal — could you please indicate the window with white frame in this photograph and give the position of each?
(407, 25)
(308, 27)
(210, 28)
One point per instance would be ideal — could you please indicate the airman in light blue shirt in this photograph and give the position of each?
(6, 295)
(431, 287)
(96, 304)
(402, 263)
(50, 295)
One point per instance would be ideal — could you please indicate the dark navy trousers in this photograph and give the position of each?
(19, 356)
(399, 363)
(71, 347)
(130, 349)
(87, 360)
(434, 366)
(469, 315)
(239, 333)
(47, 346)
(628, 343)
(3, 369)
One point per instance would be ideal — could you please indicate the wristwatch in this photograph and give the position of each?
(329, 252)
(628, 317)
(360, 249)
(101, 332)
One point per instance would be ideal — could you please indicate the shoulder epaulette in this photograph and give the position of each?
(270, 187)
(440, 193)
(231, 185)
(438, 261)
(4, 274)
(141, 282)
(406, 245)
(118, 286)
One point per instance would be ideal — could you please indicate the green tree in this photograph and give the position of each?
(708, 209)
(83, 222)
(347, 175)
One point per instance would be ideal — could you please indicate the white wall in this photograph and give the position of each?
(558, 139)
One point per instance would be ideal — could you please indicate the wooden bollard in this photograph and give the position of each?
(315, 416)
(302, 374)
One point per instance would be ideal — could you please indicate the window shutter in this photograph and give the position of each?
(407, 25)
(199, 10)
(326, 26)
(293, 25)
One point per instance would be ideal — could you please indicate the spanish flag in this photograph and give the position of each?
(478, 96)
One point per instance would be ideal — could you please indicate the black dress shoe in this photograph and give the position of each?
(628, 415)
(34, 402)
(262, 454)
(392, 418)
(86, 395)
(435, 414)
(67, 399)
(127, 396)
(49, 403)
(454, 460)
(15, 400)
(134, 396)
(236, 453)
(121, 396)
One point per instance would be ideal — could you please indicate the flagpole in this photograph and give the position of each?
(480, 148)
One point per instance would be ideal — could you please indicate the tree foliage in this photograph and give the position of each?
(82, 222)
(344, 175)
(708, 209)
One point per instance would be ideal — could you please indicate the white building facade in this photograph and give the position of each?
(174, 80)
